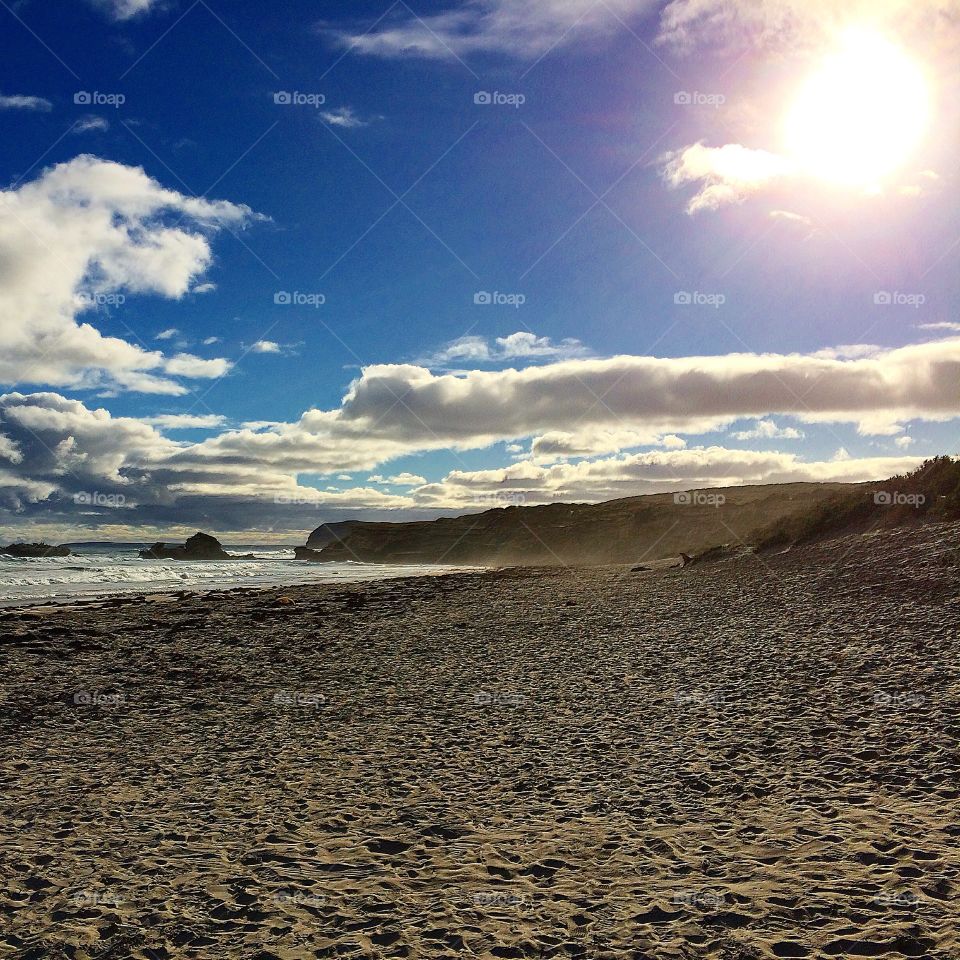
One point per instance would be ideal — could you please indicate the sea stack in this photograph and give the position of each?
(201, 546)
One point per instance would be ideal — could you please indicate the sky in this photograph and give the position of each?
(268, 266)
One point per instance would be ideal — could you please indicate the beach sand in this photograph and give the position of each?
(756, 758)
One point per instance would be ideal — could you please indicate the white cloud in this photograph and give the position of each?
(345, 117)
(659, 395)
(187, 365)
(185, 421)
(61, 447)
(768, 430)
(126, 9)
(10, 450)
(519, 28)
(265, 346)
(262, 424)
(392, 411)
(788, 216)
(88, 232)
(724, 175)
(88, 124)
(788, 24)
(167, 334)
(558, 444)
(399, 480)
(945, 325)
(651, 472)
(406, 480)
(210, 341)
(19, 101)
(903, 442)
(521, 345)
(204, 288)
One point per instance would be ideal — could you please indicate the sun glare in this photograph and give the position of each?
(859, 117)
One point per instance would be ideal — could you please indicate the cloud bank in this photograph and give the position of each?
(579, 415)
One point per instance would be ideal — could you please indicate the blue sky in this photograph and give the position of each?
(624, 194)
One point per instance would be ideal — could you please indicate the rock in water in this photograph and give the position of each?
(310, 556)
(33, 550)
(201, 546)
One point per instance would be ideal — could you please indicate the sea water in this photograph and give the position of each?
(103, 570)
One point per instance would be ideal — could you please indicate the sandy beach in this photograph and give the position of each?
(756, 758)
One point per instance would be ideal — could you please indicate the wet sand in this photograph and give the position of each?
(756, 758)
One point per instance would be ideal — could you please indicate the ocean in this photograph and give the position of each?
(103, 570)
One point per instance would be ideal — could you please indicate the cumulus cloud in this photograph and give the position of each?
(265, 346)
(19, 101)
(81, 237)
(652, 472)
(662, 395)
(398, 480)
(724, 175)
(521, 345)
(10, 450)
(558, 444)
(83, 466)
(168, 334)
(185, 421)
(768, 430)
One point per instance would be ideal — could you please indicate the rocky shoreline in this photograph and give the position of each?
(752, 758)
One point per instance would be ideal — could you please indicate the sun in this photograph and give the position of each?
(861, 115)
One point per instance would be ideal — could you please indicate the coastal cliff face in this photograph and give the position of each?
(334, 532)
(618, 531)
